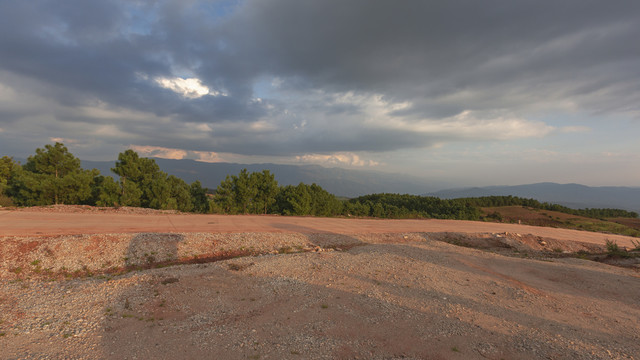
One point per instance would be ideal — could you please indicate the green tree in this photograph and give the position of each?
(180, 194)
(25, 188)
(225, 196)
(377, 210)
(130, 194)
(141, 181)
(245, 190)
(128, 168)
(77, 187)
(199, 197)
(266, 190)
(156, 191)
(105, 192)
(54, 175)
(323, 203)
(53, 160)
(153, 184)
(294, 200)
(7, 170)
(238, 193)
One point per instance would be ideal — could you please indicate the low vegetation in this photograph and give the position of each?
(54, 176)
(538, 217)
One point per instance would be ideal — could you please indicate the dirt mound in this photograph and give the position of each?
(93, 254)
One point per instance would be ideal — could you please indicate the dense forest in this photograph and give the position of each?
(54, 176)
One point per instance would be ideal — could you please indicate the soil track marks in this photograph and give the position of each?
(30, 223)
(320, 289)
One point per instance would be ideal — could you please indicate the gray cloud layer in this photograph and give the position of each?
(347, 75)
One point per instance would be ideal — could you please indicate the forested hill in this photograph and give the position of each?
(575, 196)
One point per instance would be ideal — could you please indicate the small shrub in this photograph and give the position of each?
(614, 250)
(583, 255)
(612, 247)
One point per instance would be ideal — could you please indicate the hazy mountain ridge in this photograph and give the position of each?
(338, 181)
(570, 195)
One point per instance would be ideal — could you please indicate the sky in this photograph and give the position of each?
(494, 92)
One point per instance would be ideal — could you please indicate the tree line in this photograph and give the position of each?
(412, 206)
(54, 176)
(259, 193)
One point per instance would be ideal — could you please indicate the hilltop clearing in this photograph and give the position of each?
(83, 283)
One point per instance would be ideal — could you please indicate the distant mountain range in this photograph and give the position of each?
(353, 183)
(341, 182)
(571, 195)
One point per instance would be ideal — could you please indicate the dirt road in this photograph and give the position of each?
(29, 223)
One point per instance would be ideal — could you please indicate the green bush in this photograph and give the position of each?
(612, 247)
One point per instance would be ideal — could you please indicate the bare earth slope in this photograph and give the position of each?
(313, 288)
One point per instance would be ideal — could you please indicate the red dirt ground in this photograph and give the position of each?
(399, 289)
(30, 223)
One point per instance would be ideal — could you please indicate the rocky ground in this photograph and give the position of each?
(441, 295)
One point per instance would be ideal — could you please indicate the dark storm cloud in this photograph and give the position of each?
(422, 51)
(441, 57)
(282, 144)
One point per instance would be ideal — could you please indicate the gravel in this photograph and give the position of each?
(313, 296)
